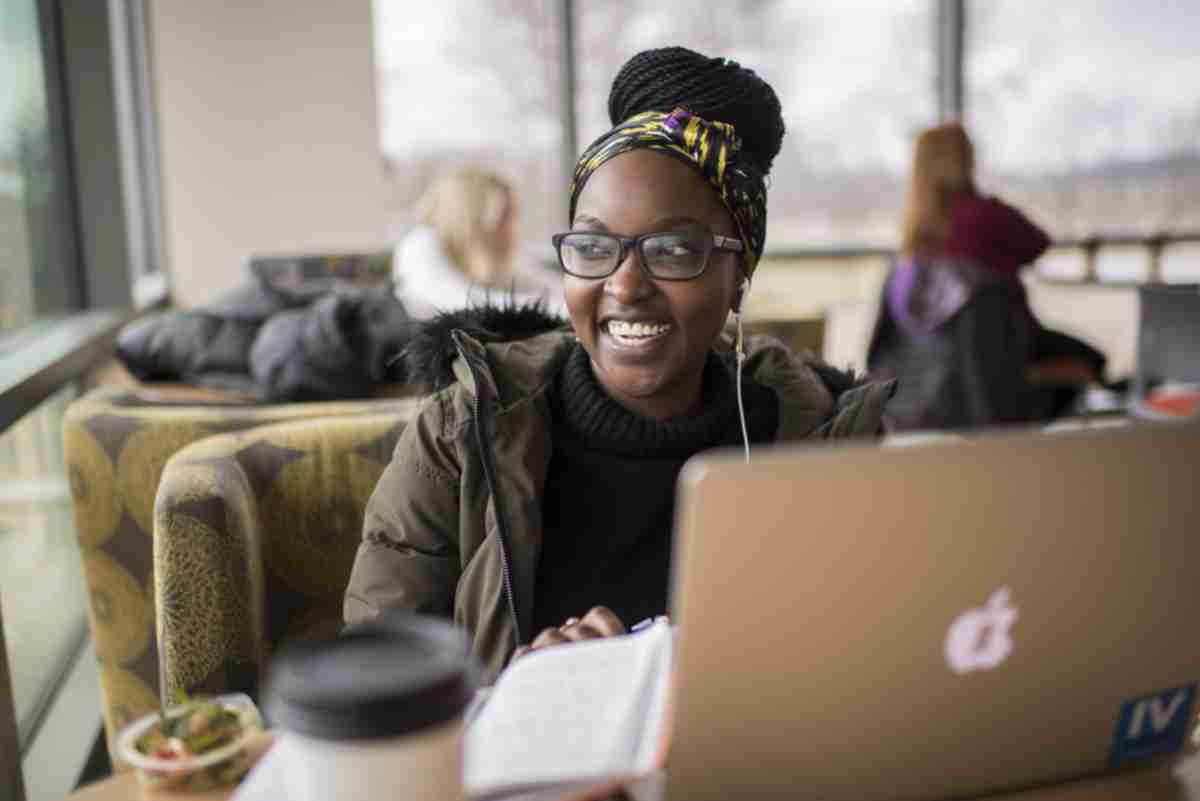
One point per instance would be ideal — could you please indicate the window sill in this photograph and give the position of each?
(37, 362)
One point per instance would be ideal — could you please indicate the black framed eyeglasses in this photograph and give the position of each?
(666, 255)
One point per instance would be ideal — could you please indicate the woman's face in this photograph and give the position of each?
(657, 376)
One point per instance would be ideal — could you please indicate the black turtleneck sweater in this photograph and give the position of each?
(610, 492)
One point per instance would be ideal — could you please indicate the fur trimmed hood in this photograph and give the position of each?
(430, 353)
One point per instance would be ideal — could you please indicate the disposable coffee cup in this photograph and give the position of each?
(374, 714)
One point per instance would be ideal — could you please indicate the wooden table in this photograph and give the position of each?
(1180, 784)
(125, 787)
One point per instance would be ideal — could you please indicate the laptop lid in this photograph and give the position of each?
(935, 621)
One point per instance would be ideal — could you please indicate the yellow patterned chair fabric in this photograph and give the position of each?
(116, 445)
(255, 535)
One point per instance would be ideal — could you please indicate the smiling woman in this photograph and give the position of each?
(538, 482)
(648, 334)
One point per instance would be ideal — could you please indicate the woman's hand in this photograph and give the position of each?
(599, 622)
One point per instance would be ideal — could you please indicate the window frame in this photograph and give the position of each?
(96, 60)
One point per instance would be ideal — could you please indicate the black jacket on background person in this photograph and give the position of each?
(339, 345)
(963, 359)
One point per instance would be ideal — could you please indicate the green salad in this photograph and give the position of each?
(199, 726)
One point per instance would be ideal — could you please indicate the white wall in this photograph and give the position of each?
(269, 134)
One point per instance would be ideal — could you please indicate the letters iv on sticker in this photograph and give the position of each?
(1155, 724)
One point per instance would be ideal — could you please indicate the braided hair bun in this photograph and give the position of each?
(716, 89)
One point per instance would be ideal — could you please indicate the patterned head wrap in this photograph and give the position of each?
(711, 148)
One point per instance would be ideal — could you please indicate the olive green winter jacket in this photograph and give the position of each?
(454, 526)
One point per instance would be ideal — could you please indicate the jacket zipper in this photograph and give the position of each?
(488, 459)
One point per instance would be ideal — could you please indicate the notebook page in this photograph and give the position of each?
(572, 714)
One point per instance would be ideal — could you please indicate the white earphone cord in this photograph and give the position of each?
(741, 357)
(741, 409)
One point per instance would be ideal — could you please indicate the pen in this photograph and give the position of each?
(647, 623)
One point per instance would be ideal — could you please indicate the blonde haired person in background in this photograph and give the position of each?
(943, 171)
(461, 252)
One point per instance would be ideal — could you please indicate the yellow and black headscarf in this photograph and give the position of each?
(711, 148)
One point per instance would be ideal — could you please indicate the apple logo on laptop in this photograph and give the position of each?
(980, 639)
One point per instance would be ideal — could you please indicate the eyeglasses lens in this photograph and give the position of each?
(676, 255)
(589, 255)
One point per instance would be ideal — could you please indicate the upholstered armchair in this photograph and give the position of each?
(116, 444)
(255, 535)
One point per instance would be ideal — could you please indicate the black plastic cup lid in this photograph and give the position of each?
(384, 679)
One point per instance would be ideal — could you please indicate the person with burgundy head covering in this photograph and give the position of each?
(955, 325)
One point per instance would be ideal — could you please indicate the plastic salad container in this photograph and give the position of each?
(211, 750)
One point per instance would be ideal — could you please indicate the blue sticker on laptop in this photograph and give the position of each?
(1155, 724)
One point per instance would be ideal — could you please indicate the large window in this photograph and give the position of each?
(473, 82)
(37, 274)
(1089, 118)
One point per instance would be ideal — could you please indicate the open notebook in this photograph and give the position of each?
(571, 716)
(564, 718)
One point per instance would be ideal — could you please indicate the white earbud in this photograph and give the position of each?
(743, 291)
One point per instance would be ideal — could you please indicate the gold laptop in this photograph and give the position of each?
(935, 621)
